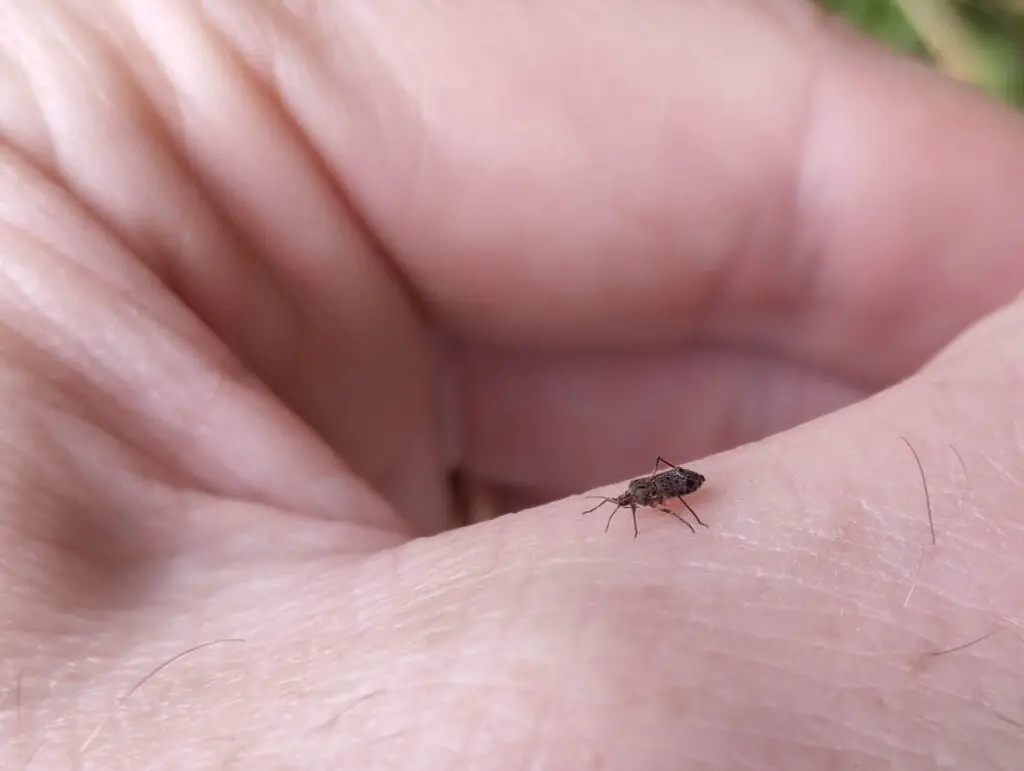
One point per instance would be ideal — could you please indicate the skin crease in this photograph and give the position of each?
(270, 269)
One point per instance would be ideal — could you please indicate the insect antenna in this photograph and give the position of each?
(618, 505)
(601, 498)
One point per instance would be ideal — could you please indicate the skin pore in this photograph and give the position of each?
(269, 270)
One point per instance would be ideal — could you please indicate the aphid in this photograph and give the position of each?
(653, 491)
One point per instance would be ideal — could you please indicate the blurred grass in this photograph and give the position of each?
(980, 42)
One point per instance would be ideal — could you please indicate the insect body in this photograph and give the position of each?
(653, 491)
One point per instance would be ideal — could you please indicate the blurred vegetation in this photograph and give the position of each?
(976, 41)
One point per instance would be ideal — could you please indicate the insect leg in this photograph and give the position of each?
(691, 511)
(659, 461)
(669, 511)
(609, 522)
(636, 530)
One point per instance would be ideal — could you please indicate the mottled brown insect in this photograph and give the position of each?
(653, 491)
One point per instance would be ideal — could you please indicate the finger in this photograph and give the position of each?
(650, 172)
(541, 426)
(226, 205)
(458, 146)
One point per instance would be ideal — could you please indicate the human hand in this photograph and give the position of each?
(271, 270)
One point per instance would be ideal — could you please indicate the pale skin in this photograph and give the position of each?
(267, 274)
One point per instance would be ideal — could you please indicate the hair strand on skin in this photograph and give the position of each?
(924, 482)
(968, 644)
(963, 466)
(147, 678)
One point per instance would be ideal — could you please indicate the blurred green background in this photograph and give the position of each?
(976, 41)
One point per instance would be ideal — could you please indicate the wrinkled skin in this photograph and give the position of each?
(270, 270)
